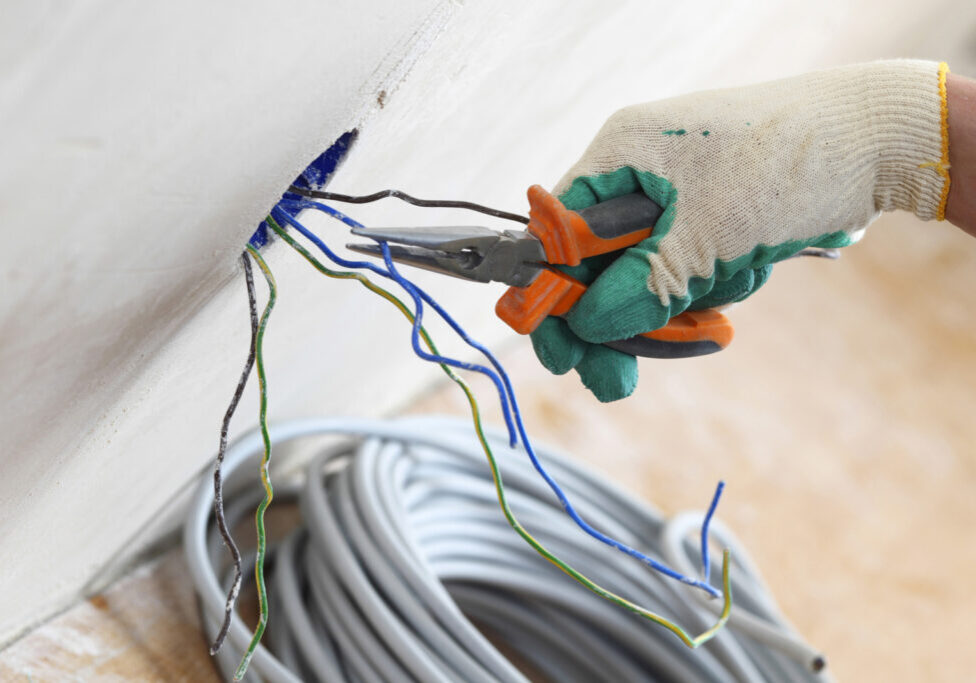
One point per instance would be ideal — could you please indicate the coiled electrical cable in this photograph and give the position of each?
(401, 550)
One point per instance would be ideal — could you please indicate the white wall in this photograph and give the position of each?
(143, 142)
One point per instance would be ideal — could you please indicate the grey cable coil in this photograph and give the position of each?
(402, 546)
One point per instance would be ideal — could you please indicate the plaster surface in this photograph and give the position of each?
(141, 149)
(142, 144)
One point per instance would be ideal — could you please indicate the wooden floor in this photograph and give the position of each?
(142, 629)
(843, 419)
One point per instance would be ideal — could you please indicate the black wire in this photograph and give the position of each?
(235, 589)
(452, 204)
(382, 194)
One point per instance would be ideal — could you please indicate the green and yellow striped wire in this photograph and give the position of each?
(265, 478)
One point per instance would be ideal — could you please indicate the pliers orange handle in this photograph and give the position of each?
(570, 236)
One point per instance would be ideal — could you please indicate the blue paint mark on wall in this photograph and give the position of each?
(320, 171)
(260, 236)
(315, 177)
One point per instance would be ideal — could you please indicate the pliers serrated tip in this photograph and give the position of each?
(474, 253)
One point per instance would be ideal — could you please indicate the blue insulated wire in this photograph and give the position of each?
(283, 216)
(413, 290)
(706, 568)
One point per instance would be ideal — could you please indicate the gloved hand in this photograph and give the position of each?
(747, 177)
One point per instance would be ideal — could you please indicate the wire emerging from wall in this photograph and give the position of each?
(496, 473)
(500, 378)
(285, 213)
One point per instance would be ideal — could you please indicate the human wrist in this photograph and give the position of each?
(961, 203)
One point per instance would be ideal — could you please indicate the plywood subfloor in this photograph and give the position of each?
(842, 418)
(144, 628)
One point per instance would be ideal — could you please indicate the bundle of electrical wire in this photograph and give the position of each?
(402, 566)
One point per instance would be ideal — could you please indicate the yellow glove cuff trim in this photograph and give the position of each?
(943, 167)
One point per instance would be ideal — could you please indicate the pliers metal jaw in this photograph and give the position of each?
(473, 253)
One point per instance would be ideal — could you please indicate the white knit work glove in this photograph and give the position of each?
(747, 176)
